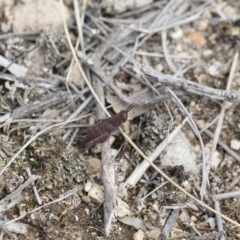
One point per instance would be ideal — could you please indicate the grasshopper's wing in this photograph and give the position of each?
(99, 133)
(100, 139)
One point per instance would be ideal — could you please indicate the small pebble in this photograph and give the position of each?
(93, 165)
(217, 158)
(212, 222)
(197, 38)
(159, 67)
(202, 24)
(153, 234)
(207, 53)
(1, 185)
(187, 186)
(201, 124)
(139, 235)
(193, 219)
(87, 186)
(96, 192)
(122, 209)
(86, 199)
(177, 34)
(235, 144)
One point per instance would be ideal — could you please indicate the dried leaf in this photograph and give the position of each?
(137, 223)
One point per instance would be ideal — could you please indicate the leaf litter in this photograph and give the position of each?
(182, 41)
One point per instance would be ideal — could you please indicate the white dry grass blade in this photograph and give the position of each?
(80, 33)
(210, 124)
(166, 54)
(39, 200)
(4, 230)
(160, 55)
(219, 219)
(154, 190)
(72, 138)
(222, 196)
(15, 69)
(77, 111)
(230, 151)
(218, 128)
(79, 16)
(141, 169)
(17, 227)
(125, 135)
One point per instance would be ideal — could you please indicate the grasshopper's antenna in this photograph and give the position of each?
(130, 107)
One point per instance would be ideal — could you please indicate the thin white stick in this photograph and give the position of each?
(222, 196)
(166, 54)
(79, 20)
(39, 200)
(219, 220)
(154, 190)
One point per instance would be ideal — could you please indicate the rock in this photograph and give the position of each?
(180, 152)
(86, 199)
(153, 234)
(93, 165)
(34, 16)
(96, 192)
(217, 158)
(1, 185)
(122, 209)
(87, 186)
(202, 24)
(235, 144)
(197, 38)
(212, 222)
(177, 34)
(139, 235)
(120, 6)
(76, 77)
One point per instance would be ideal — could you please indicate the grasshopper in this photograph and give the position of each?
(103, 130)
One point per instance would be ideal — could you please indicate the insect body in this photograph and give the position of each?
(103, 130)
